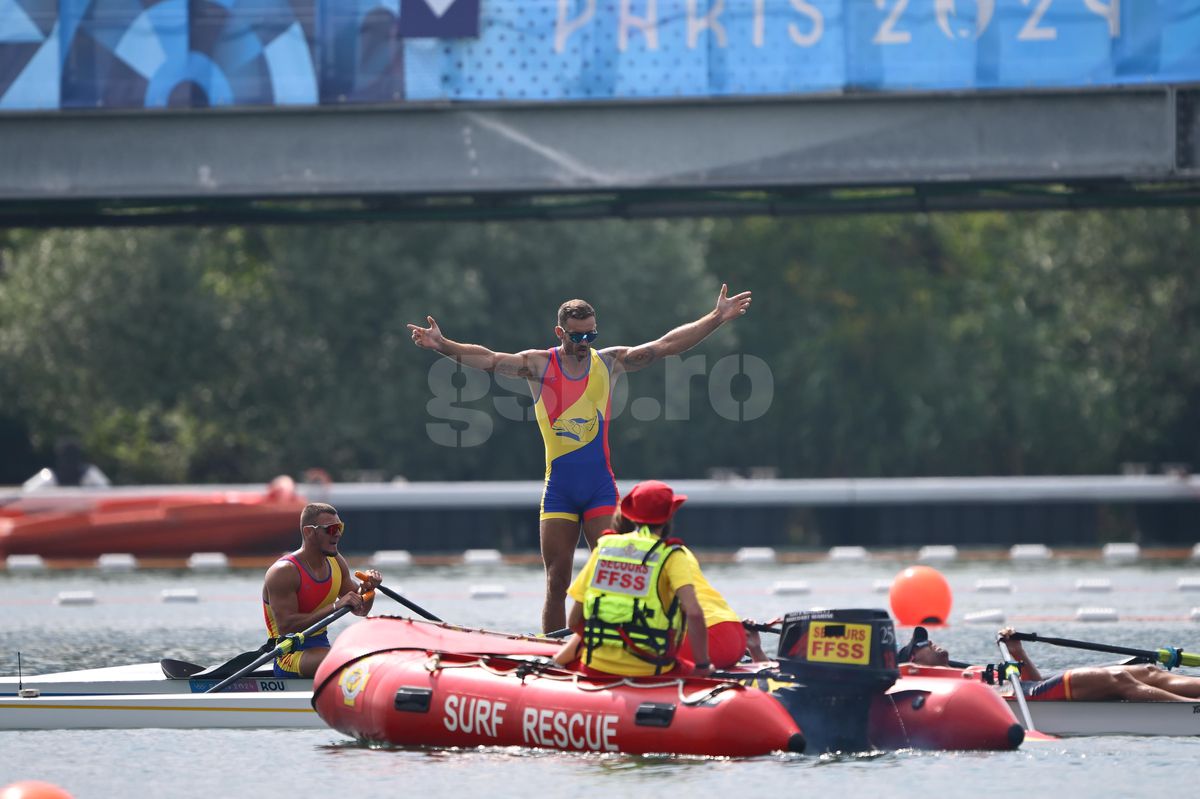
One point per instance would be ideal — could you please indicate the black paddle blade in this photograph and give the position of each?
(179, 669)
(231, 666)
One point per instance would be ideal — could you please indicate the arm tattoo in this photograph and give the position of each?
(640, 356)
(521, 369)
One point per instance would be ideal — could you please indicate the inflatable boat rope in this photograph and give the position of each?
(530, 666)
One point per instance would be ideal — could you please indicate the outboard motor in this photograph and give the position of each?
(839, 660)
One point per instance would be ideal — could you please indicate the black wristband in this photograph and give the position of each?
(703, 665)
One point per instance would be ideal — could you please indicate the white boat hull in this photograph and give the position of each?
(140, 696)
(282, 709)
(1069, 718)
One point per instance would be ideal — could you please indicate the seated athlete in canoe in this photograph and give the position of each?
(1144, 682)
(623, 625)
(303, 587)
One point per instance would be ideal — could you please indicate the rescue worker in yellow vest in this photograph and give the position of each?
(636, 597)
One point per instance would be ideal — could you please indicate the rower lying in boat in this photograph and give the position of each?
(1144, 682)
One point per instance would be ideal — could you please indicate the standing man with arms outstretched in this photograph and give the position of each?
(571, 386)
(305, 586)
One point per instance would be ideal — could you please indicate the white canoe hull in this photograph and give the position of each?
(140, 696)
(139, 678)
(1112, 718)
(281, 709)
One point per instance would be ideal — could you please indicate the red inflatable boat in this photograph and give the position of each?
(416, 683)
(86, 524)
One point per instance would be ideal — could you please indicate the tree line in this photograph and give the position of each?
(877, 346)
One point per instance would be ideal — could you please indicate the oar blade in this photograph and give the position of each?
(1036, 735)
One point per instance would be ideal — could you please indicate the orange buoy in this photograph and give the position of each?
(920, 595)
(33, 789)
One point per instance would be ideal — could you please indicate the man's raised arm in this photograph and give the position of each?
(684, 337)
(528, 364)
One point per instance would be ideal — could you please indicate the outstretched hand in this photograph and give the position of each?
(731, 307)
(429, 338)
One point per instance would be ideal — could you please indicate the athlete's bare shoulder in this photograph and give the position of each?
(529, 364)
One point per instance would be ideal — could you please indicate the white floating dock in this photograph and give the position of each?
(991, 616)
(391, 558)
(116, 562)
(1093, 585)
(488, 592)
(937, 553)
(208, 561)
(477, 557)
(790, 587)
(755, 555)
(24, 563)
(848, 553)
(1097, 614)
(1029, 552)
(75, 598)
(998, 585)
(180, 595)
(1121, 552)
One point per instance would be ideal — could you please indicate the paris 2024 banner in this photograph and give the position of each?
(110, 54)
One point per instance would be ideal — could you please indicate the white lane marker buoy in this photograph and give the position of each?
(790, 587)
(755, 555)
(391, 558)
(847, 553)
(180, 595)
(75, 598)
(1029, 552)
(116, 562)
(24, 563)
(996, 585)
(990, 616)
(208, 561)
(1093, 585)
(488, 592)
(938, 553)
(1096, 614)
(1121, 552)
(482, 556)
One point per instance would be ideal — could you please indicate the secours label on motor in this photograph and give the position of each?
(839, 643)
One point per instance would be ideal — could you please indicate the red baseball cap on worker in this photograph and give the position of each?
(651, 502)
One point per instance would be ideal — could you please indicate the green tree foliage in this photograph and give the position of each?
(898, 345)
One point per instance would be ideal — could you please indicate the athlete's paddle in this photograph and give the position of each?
(413, 606)
(1168, 656)
(285, 645)
(1013, 672)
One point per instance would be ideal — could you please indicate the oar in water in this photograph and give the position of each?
(1168, 656)
(287, 644)
(413, 606)
(1013, 672)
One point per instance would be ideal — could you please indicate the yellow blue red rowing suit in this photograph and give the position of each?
(313, 595)
(573, 416)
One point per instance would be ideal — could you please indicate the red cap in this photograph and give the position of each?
(651, 502)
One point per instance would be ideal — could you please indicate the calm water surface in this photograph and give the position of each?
(129, 624)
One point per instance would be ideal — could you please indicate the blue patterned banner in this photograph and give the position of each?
(199, 53)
